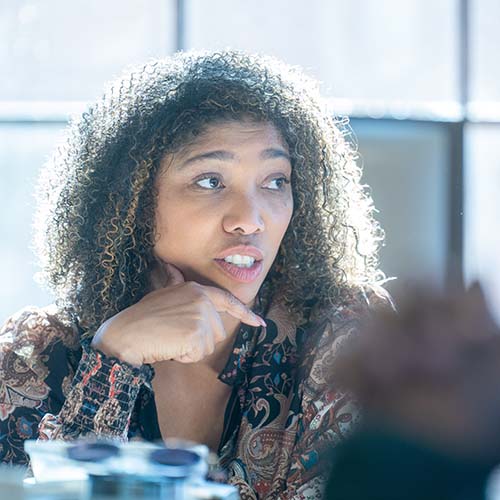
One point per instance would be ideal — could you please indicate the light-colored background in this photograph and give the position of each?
(409, 73)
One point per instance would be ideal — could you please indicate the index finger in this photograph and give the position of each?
(224, 301)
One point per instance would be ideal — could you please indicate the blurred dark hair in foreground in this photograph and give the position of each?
(428, 381)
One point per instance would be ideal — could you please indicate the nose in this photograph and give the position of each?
(244, 215)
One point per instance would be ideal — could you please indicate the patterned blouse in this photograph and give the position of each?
(281, 416)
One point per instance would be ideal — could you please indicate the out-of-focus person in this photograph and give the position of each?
(428, 381)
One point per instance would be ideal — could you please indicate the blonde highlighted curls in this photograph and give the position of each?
(95, 227)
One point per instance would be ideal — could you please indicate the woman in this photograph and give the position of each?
(210, 245)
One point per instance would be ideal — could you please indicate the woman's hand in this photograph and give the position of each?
(178, 320)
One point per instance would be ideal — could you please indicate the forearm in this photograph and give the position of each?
(100, 401)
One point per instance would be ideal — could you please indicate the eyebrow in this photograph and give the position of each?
(221, 155)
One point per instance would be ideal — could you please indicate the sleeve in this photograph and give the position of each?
(328, 414)
(100, 400)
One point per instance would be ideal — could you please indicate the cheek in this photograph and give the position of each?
(282, 211)
(173, 225)
(179, 224)
(281, 215)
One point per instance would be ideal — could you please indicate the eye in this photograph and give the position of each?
(277, 184)
(209, 182)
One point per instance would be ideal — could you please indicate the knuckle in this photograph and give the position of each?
(206, 308)
(203, 305)
(193, 336)
(199, 325)
(231, 299)
(221, 334)
(195, 288)
(201, 297)
(197, 331)
(196, 353)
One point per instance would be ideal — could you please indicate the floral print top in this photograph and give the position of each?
(281, 416)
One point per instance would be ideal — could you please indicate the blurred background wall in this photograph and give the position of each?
(419, 80)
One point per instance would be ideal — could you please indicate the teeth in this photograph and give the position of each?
(240, 260)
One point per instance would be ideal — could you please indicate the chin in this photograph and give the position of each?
(247, 297)
(244, 292)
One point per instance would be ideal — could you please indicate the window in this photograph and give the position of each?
(419, 80)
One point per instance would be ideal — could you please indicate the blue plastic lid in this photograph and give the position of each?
(175, 462)
(92, 452)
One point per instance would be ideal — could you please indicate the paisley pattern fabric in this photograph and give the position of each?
(284, 413)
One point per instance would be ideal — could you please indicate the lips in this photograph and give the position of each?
(241, 274)
(241, 250)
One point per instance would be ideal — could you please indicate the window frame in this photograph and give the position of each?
(453, 116)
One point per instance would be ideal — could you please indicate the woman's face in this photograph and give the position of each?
(224, 204)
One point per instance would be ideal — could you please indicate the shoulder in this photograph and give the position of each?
(333, 330)
(34, 329)
(355, 304)
(329, 414)
(38, 353)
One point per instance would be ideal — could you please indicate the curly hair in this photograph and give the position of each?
(95, 225)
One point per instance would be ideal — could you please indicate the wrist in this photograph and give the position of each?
(113, 346)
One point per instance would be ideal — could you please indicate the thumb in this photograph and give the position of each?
(163, 274)
(174, 275)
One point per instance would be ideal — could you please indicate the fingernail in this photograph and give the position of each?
(261, 321)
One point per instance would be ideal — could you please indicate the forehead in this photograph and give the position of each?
(235, 135)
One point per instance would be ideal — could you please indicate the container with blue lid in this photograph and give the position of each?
(174, 470)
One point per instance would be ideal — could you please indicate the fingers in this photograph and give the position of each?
(157, 276)
(174, 275)
(186, 358)
(226, 302)
(163, 274)
(205, 344)
(203, 336)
